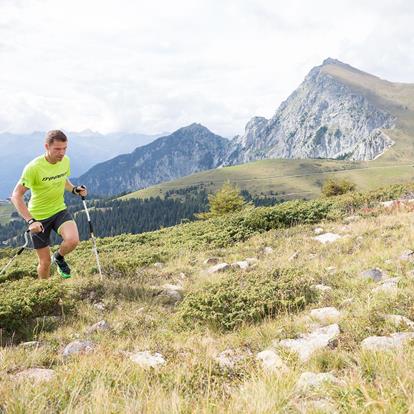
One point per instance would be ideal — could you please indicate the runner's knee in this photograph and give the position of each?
(45, 262)
(72, 241)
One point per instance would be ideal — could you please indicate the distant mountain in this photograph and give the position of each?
(86, 149)
(325, 117)
(188, 150)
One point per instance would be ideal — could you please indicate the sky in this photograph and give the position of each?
(155, 66)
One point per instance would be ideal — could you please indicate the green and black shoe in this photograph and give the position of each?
(62, 267)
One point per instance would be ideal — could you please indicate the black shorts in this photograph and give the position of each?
(42, 239)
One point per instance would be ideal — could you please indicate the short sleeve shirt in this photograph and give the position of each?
(47, 184)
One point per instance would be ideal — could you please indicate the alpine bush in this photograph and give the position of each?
(247, 298)
(24, 300)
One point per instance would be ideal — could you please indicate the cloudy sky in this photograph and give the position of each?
(155, 66)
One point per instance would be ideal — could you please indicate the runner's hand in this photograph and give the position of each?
(36, 227)
(80, 190)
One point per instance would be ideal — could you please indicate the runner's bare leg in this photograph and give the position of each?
(43, 268)
(70, 236)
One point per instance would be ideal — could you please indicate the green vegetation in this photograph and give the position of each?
(227, 200)
(332, 187)
(240, 299)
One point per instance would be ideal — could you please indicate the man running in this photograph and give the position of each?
(47, 178)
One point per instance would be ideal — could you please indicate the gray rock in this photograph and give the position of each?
(389, 286)
(398, 320)
(78, 347)
(99, 306)
(318, 230)
(327, 238)
(320, 406)
(326, 315)
(352, 219)
(268, 250)
(407, 255)
(229, 358)
(220, 267)
(171, 294)
(98, 326)
(272, 362)
(307, 344)
(35, 375)
(212, 261)
(147, 360)
(240, 265)
(251, 260)
(385, 343)
(374, 274)
(158, 265)
(311, 380)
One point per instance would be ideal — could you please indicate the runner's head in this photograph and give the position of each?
(56, 144)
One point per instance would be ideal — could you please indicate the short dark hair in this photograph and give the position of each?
(55, 135)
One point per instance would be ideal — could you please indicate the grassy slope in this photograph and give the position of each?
(107, 381)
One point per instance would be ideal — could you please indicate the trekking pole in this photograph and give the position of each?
(94, 248)
(20, 251)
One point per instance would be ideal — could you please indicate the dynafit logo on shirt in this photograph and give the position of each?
(53, 177)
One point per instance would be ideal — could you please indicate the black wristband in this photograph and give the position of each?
(32, 220)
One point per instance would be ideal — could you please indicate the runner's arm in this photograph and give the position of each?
(18, 201)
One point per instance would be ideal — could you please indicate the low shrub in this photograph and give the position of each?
(248, 298)
(24, 300)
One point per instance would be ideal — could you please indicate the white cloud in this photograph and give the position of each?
(155, 66)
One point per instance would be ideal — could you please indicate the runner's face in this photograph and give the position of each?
(56, 150)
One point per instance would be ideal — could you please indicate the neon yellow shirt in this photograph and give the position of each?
(47, 184)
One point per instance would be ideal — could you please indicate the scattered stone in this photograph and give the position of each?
(408, 255)
(327, 238)
(345, 228)
(268, 250)
(98, 326)
(240, 265)
(374, 274)
(388, 286)
(331, 269)
(294, 256)
(388, 261)
(228, 358)
(221, 267)
(322, 288)
(384, 343)
(100, 306)
(399, 320)
(318, 230)
(35, 374)
(272, 362)
(31, 344)
(147, 360)
(171, 294)
(211, 261)
(388, 203)
(307, 344)
(158, 265)
(311, 380)
(182, 275)
(78, 347)
(326, 315)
